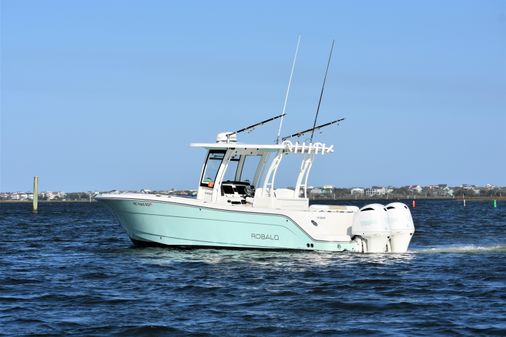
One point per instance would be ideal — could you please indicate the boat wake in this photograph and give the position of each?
(498, 248)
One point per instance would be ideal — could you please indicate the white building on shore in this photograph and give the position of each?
(357, 191)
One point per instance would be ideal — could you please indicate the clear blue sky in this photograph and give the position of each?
(100, 95)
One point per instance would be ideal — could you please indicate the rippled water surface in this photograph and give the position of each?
(71, 270)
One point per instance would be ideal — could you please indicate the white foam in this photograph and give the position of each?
(462, 249)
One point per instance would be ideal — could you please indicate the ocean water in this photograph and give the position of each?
(71, 270)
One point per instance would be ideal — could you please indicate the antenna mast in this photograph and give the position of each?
(288, 90)
(321, 93)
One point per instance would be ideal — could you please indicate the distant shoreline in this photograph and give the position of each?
(471, 199)
(44, 201)
(459, 198)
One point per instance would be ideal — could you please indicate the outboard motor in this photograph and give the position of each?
(371, 223)
(401, 225)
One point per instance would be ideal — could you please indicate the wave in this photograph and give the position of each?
(498, 248)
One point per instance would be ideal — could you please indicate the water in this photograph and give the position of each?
(71, 270)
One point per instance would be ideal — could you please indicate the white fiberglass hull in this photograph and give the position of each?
(173, 221)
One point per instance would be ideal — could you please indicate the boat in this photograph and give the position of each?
(239, 206)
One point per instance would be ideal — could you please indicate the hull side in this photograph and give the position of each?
(176, 224)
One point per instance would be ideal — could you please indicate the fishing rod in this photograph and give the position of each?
(288, 89)
(253, 126)
(312, 130)
(321, 93)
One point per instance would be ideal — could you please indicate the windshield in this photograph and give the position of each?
(213, 162)
(249, 168)
(231, 169)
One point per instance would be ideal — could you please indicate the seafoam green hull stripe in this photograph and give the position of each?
(176, 224)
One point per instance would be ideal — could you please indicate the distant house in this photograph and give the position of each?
(416, 188)
(328, 189)
(53, 195)
(316, 191)
(357, 191)
(376, 191)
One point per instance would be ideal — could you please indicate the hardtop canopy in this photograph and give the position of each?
(286, 146)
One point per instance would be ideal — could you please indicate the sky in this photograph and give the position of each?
(102, 95)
